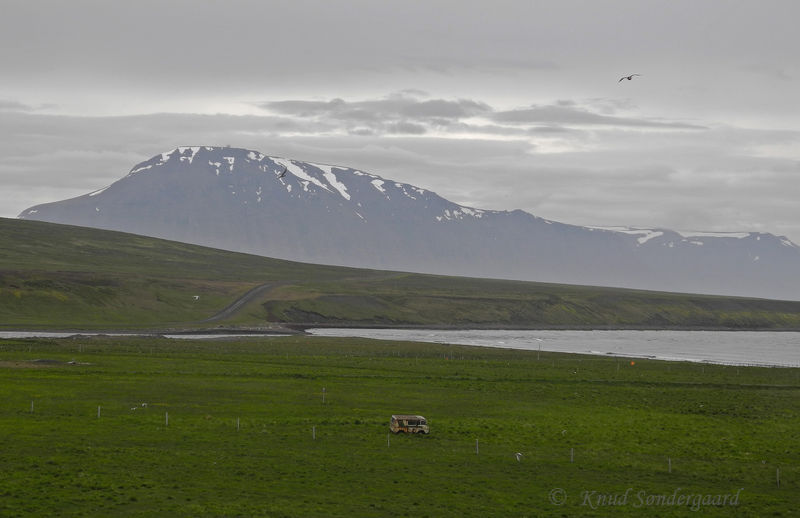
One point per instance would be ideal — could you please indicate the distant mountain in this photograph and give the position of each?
(242, 200)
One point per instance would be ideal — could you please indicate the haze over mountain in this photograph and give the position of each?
(242, 200)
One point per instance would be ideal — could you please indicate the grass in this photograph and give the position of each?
(723, 428)
(57, 276)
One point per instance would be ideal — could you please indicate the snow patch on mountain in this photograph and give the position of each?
(299, 172)
(327, 172)
(645, 234)
(139, 169)
(378, 184)
(694, 235)
(476, 213)
(459, 213)
(95, 193)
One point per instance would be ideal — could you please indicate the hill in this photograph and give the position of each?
(243, 200)
(65, 277)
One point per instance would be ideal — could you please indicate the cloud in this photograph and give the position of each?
(568, 113)
(770, 71)
(400, 106)
(14, 106)
(407, 112)
(405, 128)
(413, 113)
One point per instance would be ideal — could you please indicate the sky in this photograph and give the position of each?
(496, 105)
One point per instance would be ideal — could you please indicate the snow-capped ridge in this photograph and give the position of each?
(692, 237)
(328, 177)
(689, 234)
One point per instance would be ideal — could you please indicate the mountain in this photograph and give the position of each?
(242, 200)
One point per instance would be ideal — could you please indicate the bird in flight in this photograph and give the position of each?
(283, 173)
(629, 78)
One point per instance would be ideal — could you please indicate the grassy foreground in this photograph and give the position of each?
(165, 438)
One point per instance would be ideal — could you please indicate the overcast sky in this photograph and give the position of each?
(496, 105)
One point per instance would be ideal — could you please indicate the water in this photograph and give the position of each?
(725, 347)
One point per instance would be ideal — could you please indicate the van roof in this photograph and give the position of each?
(406, 416)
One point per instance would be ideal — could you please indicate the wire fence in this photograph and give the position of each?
(767, 469)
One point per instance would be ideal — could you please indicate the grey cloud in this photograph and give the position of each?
(402, 113)
(445, 109)
(570, 114)
(770, 71)
(304, 108)
(486, 129)
(380, 109)
(395, 114)
(549, 130)
(406, 127)
(14, 106)
(491, 64)
(185, 42)
(610, 105)
(362, 132)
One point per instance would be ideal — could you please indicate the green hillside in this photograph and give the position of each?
(57, 276)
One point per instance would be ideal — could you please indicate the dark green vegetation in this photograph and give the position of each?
(64, 276)
(722, 428)
(59, 276)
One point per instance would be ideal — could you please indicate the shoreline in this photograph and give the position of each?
(301, 328)
(620, 348)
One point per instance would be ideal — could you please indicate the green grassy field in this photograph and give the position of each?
(586, 427)
(62, 277)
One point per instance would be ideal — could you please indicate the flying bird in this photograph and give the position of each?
(518, 455)
(629, 78)
(283, 173)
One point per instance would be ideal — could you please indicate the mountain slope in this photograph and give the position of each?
(242, 200)
(66, 277)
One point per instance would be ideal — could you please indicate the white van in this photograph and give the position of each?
(409, 424)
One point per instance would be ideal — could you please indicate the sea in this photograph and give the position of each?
(765, 348)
